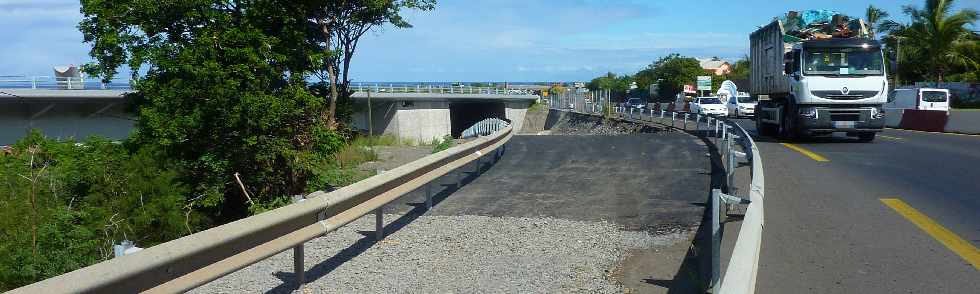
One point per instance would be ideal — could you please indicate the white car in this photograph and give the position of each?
(709, 106)
(741, 106)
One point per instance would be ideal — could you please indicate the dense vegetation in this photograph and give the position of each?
(670, 73)
(937, 44)
(240, 104)
(63, 204)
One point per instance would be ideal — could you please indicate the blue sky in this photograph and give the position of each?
(482, 40)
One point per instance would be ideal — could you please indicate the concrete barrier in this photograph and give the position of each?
(924, 120)
(964, 122)
(958, 121)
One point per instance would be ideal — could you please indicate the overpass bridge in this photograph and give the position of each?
(417, 113)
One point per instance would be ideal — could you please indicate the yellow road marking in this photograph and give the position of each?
(890, 137)
(961, 247)
(938, 133)
(808, 153)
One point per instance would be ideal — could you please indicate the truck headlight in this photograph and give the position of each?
(877, 113)
(808, 112)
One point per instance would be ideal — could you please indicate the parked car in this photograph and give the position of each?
(741, 106)
(635, 103)
(709, 106)
(918, 98)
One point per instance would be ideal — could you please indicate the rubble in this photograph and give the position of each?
(820, 24)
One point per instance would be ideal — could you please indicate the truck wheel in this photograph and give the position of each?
(765, 129)
(866, 137)
(787, 130)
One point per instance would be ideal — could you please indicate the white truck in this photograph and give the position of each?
(818, 85)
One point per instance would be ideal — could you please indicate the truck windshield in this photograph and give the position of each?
(933, 96)
(843, 61)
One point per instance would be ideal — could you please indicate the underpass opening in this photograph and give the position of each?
(462, 115)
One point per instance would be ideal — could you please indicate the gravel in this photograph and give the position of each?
(453, 254)
(580, 124)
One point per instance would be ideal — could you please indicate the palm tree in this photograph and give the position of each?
(875, 17)
(935, 38)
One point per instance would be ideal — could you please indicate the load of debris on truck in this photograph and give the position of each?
(821, 24)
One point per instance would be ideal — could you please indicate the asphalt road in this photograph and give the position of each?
(641, 181)
(827, 229)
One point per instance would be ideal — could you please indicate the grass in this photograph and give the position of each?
(535, 106)
(440, 145)
(355, 154)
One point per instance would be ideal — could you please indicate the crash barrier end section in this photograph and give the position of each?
(190, 261)
(924, 120)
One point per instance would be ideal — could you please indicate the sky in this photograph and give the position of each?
(483, 40)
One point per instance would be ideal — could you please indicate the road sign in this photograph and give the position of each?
(704, 83)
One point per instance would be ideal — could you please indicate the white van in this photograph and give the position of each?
(918, 98)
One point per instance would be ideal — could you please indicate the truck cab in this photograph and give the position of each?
(835, 85)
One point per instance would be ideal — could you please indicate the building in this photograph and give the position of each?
(716, 65)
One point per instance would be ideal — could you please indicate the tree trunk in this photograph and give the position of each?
(330, 116)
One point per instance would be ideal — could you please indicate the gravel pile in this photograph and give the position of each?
(455, 254)
(584, 125)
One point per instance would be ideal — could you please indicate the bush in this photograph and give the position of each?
(443, 144)
(64, 204)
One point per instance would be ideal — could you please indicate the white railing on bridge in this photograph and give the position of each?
(434, 89)
(58, 83)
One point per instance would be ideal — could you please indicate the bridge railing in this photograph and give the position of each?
(58, 83)
(183, 264)
(433, 89)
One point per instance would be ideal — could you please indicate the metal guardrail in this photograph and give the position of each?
(193, 260)
(485, 127)
(740, 275)
(433, 88)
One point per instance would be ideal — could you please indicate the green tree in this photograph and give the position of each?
(671, 72)
(875, 17)
(341, 25)
(224, 86)
(741, 70)
(619, 86)
(936, 42)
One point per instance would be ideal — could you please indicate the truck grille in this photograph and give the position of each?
(846, 115)
(837, 95)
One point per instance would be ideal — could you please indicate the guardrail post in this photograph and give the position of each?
(731, 165)
(428, 196)
(715, 241)
(299, 265)
(379, 227)
(685, 121)
(673, 118)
